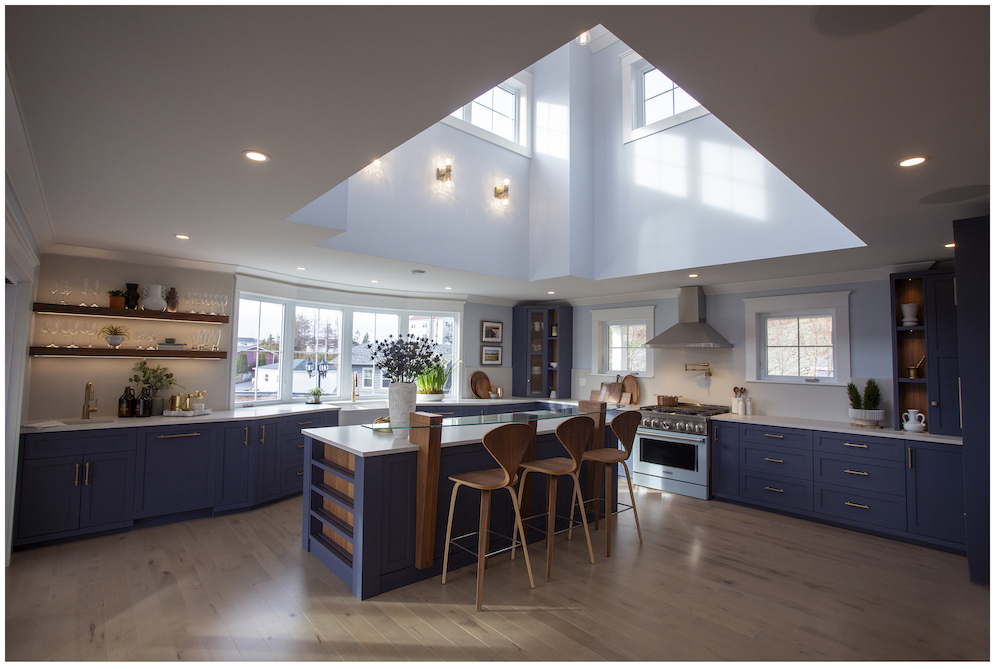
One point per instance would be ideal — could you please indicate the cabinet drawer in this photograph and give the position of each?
(780, 491)
(293, 425)
(78, 443)
(869, 508)
(781, 461)
(776, 436)
(857, 445)
(861, 473)
(293, 449)
(291, 477)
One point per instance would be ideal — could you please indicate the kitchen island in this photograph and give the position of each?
(375, 505)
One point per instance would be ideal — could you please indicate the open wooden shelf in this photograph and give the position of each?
(107, 312)
(60, 352)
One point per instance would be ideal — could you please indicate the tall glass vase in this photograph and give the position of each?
(402, 402)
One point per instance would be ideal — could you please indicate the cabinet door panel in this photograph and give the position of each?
(725, 458)
(176, 470)
(233, 465)
(268, 459)
(935, 491)
(49, 496)
(291, 478)
(942, 355)
(108, 490)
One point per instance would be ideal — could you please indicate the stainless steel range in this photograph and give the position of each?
(673, 448)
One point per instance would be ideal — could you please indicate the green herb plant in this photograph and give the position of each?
(432, 380)
(870, 401)
(316, 392)
(114, 331)
(116, 293)
(155, 378)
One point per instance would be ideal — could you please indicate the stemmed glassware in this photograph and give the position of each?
(95, 292)
(90, 329)
(218, 339)
(83, 292)
(211, 302)
(64, 289)
(189, 301)
(54, 288)
(225, 301)
(43, 327)
(74, 329)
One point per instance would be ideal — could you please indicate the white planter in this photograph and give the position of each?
(402, 402)
(423, 398)
(866, 417)
(114, 341)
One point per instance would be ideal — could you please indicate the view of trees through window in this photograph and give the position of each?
(316, 351)
(625, 347)
(800, 346)
(258, 351)
(440, 330)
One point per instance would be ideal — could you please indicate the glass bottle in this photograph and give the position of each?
(144, 404)
(126, 403)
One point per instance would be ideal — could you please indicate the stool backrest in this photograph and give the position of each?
(575, 434)
(624, 426)
(507, 445)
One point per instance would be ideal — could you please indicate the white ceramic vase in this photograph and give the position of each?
(402, 402)
(153, 298)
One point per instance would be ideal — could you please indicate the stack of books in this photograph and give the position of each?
(171, 347)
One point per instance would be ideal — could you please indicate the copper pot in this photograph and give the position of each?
(666, 400)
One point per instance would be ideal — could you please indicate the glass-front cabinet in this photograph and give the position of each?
(542, 351)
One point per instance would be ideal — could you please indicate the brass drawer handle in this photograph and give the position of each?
(263, 431)
(847, 443)
(775, 436)
(851, 471)
(305, 422)
(773, 460)
(76, 476)
(86, 475)
(857, 506)
(175, 436)
(301, 446)
(299, 474)
(767, 487)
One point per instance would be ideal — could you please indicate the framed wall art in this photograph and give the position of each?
(492, 332)
(491, 355)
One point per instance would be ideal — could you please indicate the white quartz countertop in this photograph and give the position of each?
(834, 426)
(364, 442)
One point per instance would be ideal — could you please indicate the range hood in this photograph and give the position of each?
(691, 330)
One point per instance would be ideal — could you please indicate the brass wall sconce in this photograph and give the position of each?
(502, 192)
(444, 173)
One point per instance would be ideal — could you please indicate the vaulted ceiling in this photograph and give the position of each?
(126, 125)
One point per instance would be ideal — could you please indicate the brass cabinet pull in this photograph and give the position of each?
(909, 457)
(934, 404)
(773, 460)
(76, 476)
(847, 443)
(775, 436)
(715, 433)
(767, 487)
(175, 436)
(86, 474)
(851, 471)
(299, 474)
(301, 446)
(857, 506)
(246, 434)
(305, 422)
(263, 431)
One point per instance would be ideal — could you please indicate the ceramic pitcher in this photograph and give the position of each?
(914, 421)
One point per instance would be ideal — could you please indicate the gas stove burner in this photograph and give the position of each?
(689, 409)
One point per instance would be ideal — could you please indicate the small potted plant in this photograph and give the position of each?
(431, 382)
(114, 334)
(154, 379)
(116, 299)
(314, 395)
(864, 411)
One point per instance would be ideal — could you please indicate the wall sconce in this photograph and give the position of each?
(584, 38)
(444, 172)
(374, 168)
(502, 193)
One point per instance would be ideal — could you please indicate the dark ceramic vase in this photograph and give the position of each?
(172, 300)
(131, 296)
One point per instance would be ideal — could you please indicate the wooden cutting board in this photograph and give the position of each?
(631, 385)
(474, 382)
(483, 388)
(615, 390)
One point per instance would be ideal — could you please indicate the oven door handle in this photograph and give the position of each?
(671, 436)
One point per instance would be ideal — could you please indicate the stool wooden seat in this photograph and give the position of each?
(624, 425)
(574, 434)
(506, 444)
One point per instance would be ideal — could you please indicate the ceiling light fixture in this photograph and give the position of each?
(584, 38)
(182, 237)
(910, 162)
(692, 276)
(301, 269)
(447, 287)
(257, 156)
(950, 246)
(552, 292)
(374, 280)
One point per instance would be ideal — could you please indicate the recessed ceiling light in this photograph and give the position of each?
(692, 276)
(182, 237)
(257, 156)
(910, 162)
(950, 246)
(552, 292)
(301, 269)
(374, 280)
(447, 287)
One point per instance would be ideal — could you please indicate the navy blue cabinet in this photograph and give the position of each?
(176, 470)
(542, 350)
(935, 491)
(72, 483)
(725, 459)
(232, 489)
(268, 460)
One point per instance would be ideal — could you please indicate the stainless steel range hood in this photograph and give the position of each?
(691, 330)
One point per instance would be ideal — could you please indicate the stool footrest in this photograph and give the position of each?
(506, 549)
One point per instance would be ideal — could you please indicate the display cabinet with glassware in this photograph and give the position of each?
(542, 357)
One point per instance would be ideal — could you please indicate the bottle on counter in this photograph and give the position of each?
(741, 407)
(749, 406)
(144, 404)
(126, 403)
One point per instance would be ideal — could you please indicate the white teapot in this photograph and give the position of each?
(153, 298)
(914, 421)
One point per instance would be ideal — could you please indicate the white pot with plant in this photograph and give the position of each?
(864, 411)
(314, 395)
(431, 382)
(115, 335)
(402, 360)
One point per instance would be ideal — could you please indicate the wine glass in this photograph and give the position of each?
(225, 301)
(54, 288)
(53, 328)
(139, 336)
(218, 339)
(202, 300)
(64, 289)
(43, 327)
(189, 301)
(90, 330)
(95, 292)
(152, 346)
(211, 302)
(83, 292)
(74, 330)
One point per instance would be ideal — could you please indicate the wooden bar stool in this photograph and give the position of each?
(574, 434)
(506, 444)
(624, 426)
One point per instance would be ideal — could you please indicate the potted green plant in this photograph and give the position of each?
(314, 395)
(402, 360)
(154, 379)
(864, 410)
(431, 382)
(114, 334)
(116, 299)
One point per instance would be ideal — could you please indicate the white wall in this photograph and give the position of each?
(57, 384)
